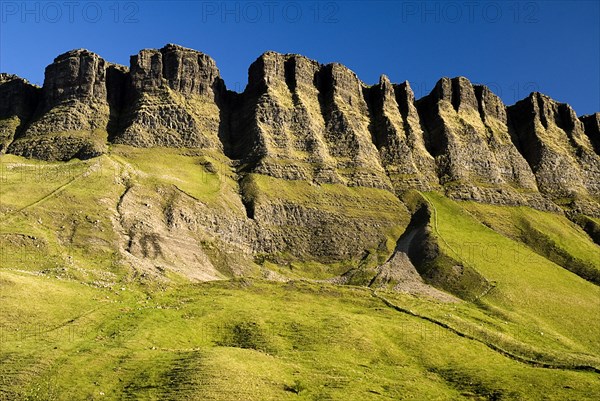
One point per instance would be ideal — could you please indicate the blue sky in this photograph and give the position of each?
(515, 47)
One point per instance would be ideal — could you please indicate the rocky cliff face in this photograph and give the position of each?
(467, 133)
(399, 137)
(307, 173)
(302, 120)
(561, 155)
(278, 126)
(18, 100)
(168, 97)
(174, 96)
(73, 110)
(299, 120)
(591, 125)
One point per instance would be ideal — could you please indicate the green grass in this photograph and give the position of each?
(533, 292)
(550, 235)
(336, 198)
(250, 340)
(201, 174)
(61, 226)
(76, 323)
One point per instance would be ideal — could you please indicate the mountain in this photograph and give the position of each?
(139, 203)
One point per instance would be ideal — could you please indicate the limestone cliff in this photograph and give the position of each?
(302, 120)
(172, 97)
(467, 133)
(279, 127)
(309, 172)
(18, 100)
(561, 155)
(298, 120)
(73, 111)
(398, 135)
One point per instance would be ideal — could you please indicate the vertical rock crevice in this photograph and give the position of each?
(591, 124)
(117, 80)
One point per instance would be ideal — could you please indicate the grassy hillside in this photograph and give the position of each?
(547, 303)
(85, 317)
(252, 340)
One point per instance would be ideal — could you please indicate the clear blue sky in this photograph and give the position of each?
(514, 47)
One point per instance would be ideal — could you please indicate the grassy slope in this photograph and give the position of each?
(72, 318)
(201, 174)
(551, 306)
(550, 235)
(237, 340)
(54, 216)
(335, 198)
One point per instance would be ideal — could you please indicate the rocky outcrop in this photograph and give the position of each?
(18, 101)
(347, 127)
(174, 96)
(302, 120)
(278, 126)
(476, 159)
(398, 135)
(73, 113)
(560, 154)
(169, 98)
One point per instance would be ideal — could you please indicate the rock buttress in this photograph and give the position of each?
(476, 158)
(561, 155)
(174, 97)
(18, 102)
(73, 114)
(398, 135)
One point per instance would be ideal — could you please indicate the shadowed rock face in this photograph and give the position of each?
(18, 100)
(299, 120)
(278, 125)
(399, 137)
(183, 70)
(591, 124)
(76, 75)
(476, 158)
(347, 121)
(72, 112)
(302, 120)
(464, 137)
(561, 155)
